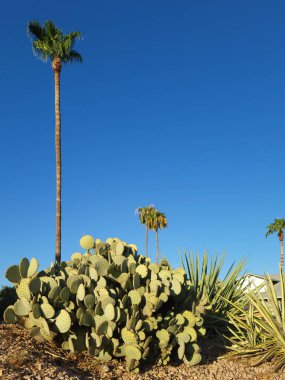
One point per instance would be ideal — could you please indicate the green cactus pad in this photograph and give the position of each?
(81, 292)
(139, 325)
(196, 358)
(135, 297)
(23, 289)
(86, 319)
(63, 321)
(181, 351)
(102, 328)
(141, 335)
(9, 315)
(35, 285)
(89, 301)
(175, 287)
(191, 332)
(199, 321)
(22, 307)
(119, 248)
(190, 317)
(142, 270)
(87, 242)
(163, 335)
(132, 352)
(182, 338)
(128, 337)
(93, 274)
(64, 294)
(37, 311)
(109, 312)
(119, 260)
(102, 266)
(13, 274)
(76, 257)
(23, 267)
(47, 310)
(54, 294)
(180, 320)
(33, 267)
(75, 285)
(136, 281)
(44, 328)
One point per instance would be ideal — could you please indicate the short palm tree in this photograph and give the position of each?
(49, 42)
(158, 221)
(145, 216)
(278, 227)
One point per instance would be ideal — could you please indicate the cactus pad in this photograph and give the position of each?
(9, 315)
(24, 266)
(133, 352)
(47, 310)
(87, 242)
(120, 248)
(22, 307)
(23, 289)
(33, 267)
(135, 297)
(142, 270)
(63, 321)
(128, 337)
(109, 312)
(13, 274)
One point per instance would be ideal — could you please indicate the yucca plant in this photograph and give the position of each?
(259, 331)
(215, 295)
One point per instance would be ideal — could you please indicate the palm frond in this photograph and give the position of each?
(50, 42)
(35, 31)
(73, 56)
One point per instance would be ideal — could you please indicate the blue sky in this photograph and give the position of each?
(177, 103)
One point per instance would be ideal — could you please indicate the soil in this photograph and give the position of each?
(21, 357)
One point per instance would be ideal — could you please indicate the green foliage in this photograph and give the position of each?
(49, 42)
(276, 227)
(111, 302)
(8, 296)
(214, 298)
(259, 330)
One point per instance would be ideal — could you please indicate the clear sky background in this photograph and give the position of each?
(178, 103)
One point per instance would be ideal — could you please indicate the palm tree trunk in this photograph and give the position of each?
(157, 247)
(281, 253)
(146, 241)
(57, 69)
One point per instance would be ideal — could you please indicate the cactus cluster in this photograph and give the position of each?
(111, 302)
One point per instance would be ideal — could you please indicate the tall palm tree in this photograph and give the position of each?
(145, 217)
(278, 227)
(49, 42)
(158, 221)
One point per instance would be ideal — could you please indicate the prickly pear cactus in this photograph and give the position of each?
(111, 302)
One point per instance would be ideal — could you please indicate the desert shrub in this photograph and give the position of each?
(215, 296)
(7, 297)
(110, 301)
(259, 330)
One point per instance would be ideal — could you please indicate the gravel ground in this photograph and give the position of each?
(23, 358)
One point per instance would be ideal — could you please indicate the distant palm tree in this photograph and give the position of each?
(278, 227)
(49, 42)
(158, 221)
(145, 216)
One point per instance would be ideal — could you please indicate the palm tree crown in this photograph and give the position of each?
(277, 227)
(50, 42)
